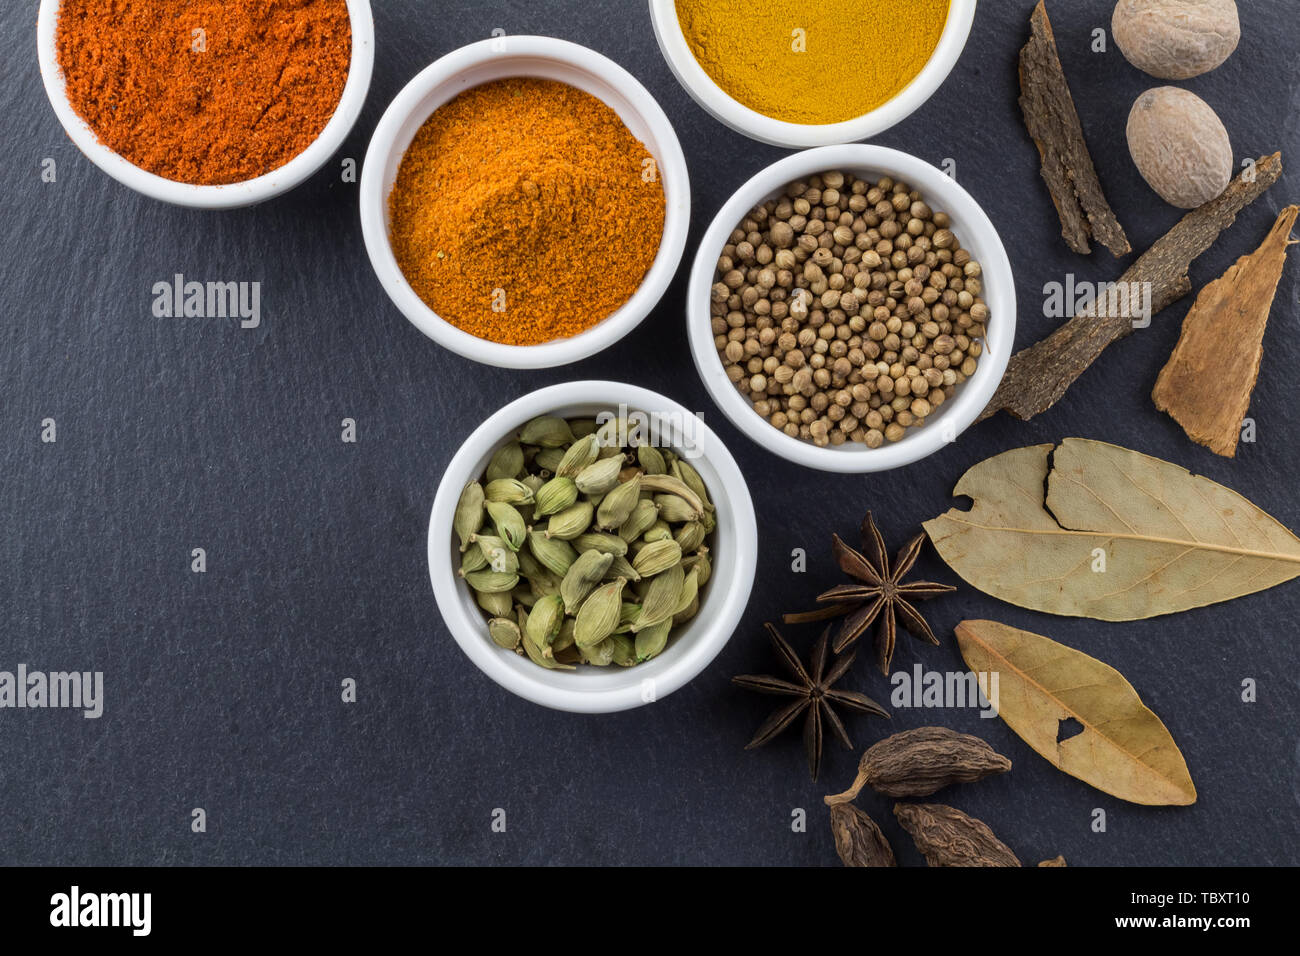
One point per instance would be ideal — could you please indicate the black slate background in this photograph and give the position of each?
(223, 688)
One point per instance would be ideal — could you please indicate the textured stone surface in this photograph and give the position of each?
(223, 688)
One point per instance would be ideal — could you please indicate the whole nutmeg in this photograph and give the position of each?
(1176, 39)
(1180, 146)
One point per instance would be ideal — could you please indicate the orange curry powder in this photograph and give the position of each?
(205, 91)
(525, 211)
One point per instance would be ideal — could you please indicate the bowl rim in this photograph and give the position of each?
(668, 154)
(229, 195)
(724, 605)
(973, 227)
(731, 112)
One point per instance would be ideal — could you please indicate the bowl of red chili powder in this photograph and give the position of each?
(207, 103)
(524, 202)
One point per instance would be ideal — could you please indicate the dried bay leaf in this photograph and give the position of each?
(1123, 749)
(1167, 540)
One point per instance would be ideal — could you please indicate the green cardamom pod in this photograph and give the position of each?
(570, 655)
(529, 566)
(571, 522)
(620, 567)
(564, 639)
(599, 477)
(618, 505)
(693, 481)
(469, 513)
(511, 491)
(661, 598)
(701, 563)
(538, 657)
(533, 483)
(611, 435)
(547, 432)
(507, 462)
(579, 455)
(497, 603)
(676, 509)
(544, 621)
(642, 519)
(509, 524)
(684, 615)
(499, 556)
(651, 641)
(525, 597)
(690, 592)
(556, 495)
(599, 614)
(598, 541)
(657, 557)
(598, 655)
(548, 459)
(583, 576)
(555, 555)
(543, 585)
(490, 582)
(690, 536)
(624, 650)
(629, 613)
(472, 560)
(651, 460)
(709, 522)
(504, 633)
(675, 486)
(659, 531)
(582, 427)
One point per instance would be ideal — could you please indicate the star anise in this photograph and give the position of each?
(882, 594)
(814, 691)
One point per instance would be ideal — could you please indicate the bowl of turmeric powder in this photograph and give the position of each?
(212, 106)
(796, 74)
(525, 202)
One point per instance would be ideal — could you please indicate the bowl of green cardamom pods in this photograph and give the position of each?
(592, 546)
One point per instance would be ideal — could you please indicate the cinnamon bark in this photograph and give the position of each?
(1067, 167)
(1207, 383)
(1039, 375)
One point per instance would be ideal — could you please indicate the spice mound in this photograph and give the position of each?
(808, 63)
(586, 542)
(847, 310)
(205, 92)
(524, 211)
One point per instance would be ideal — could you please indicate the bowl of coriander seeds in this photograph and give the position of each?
(851, 308)
(592, 546)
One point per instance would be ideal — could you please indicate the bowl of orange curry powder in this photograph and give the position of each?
(524, 202)
(207, 103)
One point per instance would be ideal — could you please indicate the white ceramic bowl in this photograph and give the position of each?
(593, 689)
(495, 59)
(719, 104)
(233, 195)
(975, 232)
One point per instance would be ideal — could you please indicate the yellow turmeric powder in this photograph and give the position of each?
(812, 61)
